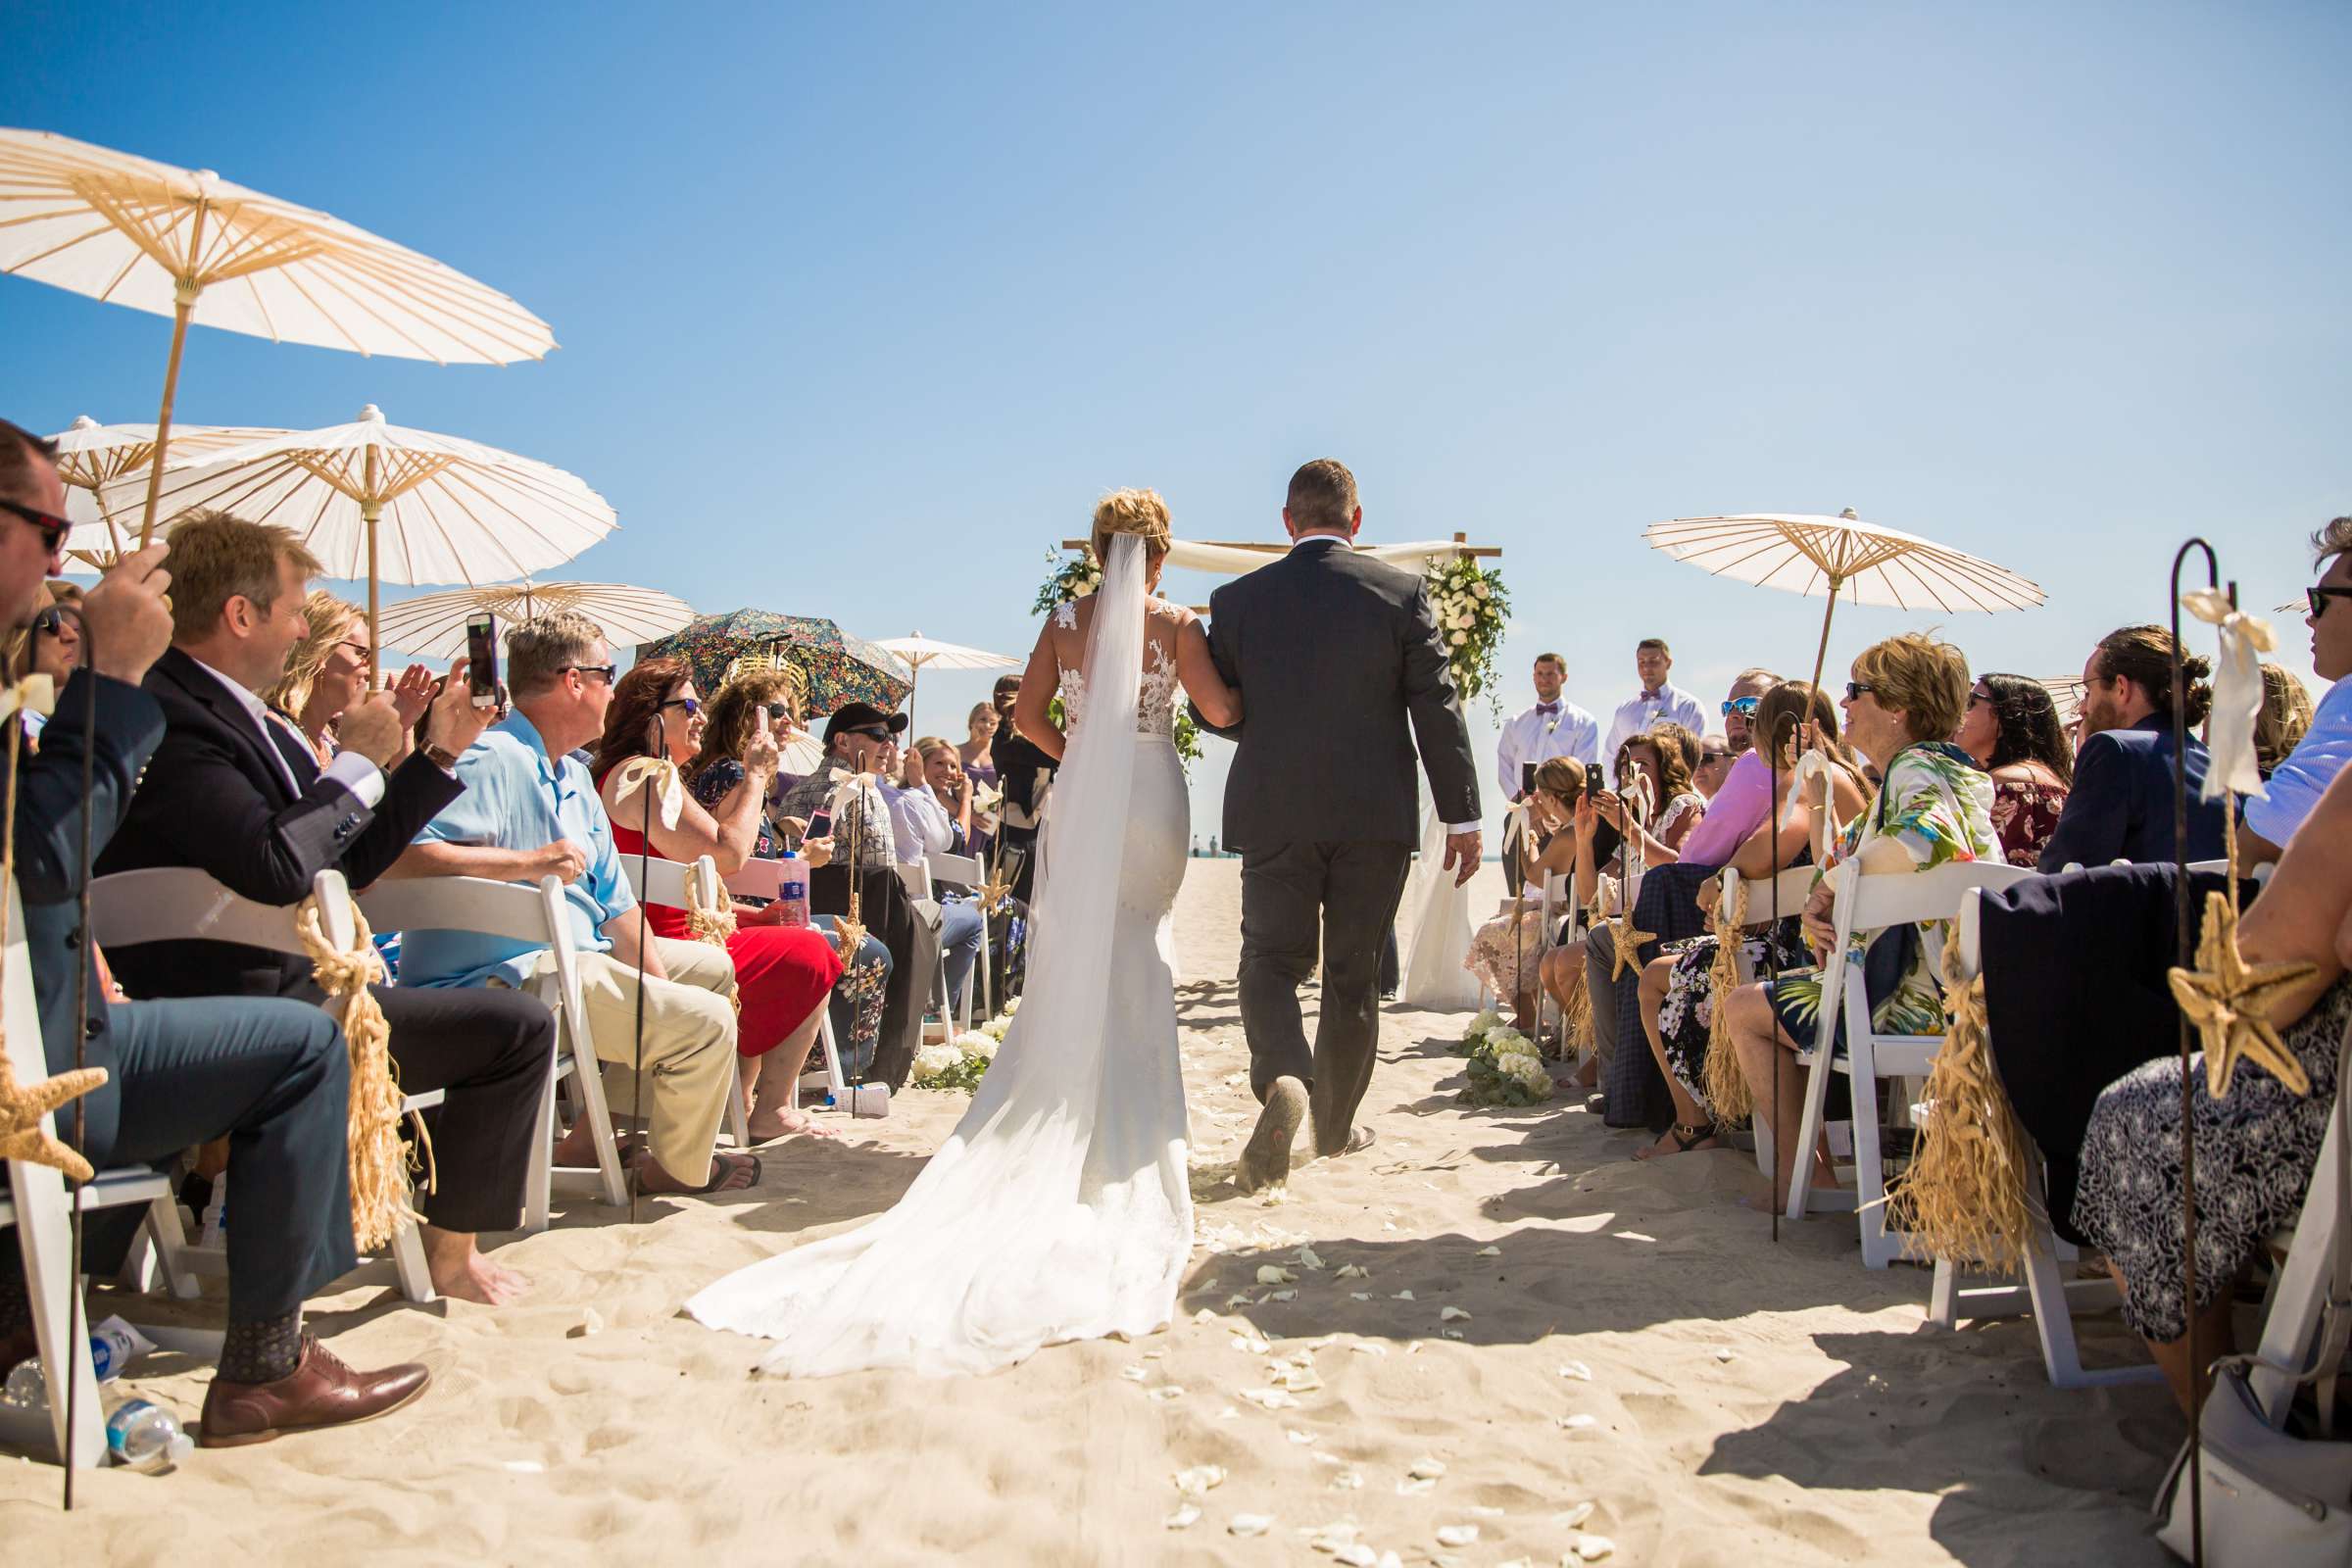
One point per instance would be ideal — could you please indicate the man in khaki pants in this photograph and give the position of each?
(530, 809)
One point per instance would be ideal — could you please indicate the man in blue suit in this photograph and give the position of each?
(2121, 807)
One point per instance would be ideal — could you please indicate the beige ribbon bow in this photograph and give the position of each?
(659, 774)
(2232, 767)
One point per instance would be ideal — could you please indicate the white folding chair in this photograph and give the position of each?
(535, 916)
(182, 904)
(1866, 905)
(1785, 892)
(916, 875)
(2047, 1295)
(37, 1206)
(671, 882)
(765, 879)
(965, 870)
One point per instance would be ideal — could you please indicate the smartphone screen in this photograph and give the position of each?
(1527, 778)
(481, 659)
(820, 823)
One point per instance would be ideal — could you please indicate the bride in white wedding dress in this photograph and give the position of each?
(1060, 1207)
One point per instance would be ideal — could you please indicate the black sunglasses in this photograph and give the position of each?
(50, 623)
(606, 672)
(874, 733)
(776, 713)
(54, 529)
(1855, 688)
(2318, 599)
(692, 705)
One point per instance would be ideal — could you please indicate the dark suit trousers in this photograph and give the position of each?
(490, 1051)
(274, 1076)
(1292, 893)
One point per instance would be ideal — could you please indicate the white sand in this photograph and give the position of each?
(1747, 1403)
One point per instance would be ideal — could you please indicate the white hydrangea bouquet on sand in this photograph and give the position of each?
(1506, 1068)
(960, 1061)
(1470, 605)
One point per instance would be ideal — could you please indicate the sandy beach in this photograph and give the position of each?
(1632, 1341)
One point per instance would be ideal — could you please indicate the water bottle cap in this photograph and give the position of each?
(791, 854)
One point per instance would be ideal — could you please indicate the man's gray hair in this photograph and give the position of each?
(538, 651)
(2334, 540)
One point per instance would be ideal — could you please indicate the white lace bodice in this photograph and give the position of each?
(1154, 699)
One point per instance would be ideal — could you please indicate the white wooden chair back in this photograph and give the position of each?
(537, 916)
(656, 880)
(765, 879)
(1864, 905)
(168, 903)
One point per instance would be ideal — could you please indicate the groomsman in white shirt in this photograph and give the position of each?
(1554, 727)
(1660, 699)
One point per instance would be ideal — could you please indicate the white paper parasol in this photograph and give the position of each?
(433, 625)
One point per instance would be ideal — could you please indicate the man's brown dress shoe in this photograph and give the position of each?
(320, 1392)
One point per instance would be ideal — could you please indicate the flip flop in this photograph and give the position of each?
(721, 1170)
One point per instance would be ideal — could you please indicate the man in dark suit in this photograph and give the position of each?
(1342, 669)
(272, 1076)
(238, 793)
(2120, 805)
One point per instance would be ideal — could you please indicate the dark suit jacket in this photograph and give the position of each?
(49, 812)
(2121, 806)
(1334, 653)
(217, 801)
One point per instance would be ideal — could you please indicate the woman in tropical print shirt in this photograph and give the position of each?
(1906, 696)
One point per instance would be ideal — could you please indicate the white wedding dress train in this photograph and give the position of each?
(1060, 1207)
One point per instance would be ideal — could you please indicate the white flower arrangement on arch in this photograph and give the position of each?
(1471, 607)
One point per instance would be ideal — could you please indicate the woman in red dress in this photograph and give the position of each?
(2012, 730)
(783, 973)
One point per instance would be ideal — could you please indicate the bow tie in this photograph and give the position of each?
(1653, 696)
(1548, 707)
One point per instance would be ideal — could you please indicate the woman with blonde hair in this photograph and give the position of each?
(326, 674)
(2283, 720)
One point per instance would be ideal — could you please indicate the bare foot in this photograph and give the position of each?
(1587, 1076)
(734, 1173)
(1266, 1158)
(576, 1148)
(765, 1126)
(463, 1273)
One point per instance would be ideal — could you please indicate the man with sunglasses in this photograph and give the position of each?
(271, 1074)
(2297, 783)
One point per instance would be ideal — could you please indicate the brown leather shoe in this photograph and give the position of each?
(320, 1392)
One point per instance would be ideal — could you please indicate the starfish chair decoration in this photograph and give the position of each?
(2229, 1000)
(1625, 938)
(22, 1107)
(994, 891)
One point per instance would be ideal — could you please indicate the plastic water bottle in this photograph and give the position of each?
(146, 1437)
(114, 1345)
(792, 890)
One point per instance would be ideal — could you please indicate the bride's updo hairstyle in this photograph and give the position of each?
(1141, 513)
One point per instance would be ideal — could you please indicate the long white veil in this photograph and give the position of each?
(1007, 1241)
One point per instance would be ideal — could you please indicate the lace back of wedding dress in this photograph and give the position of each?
(1032, 1224)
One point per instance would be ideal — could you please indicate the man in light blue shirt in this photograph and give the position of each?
(2297, 783)
(530, 810)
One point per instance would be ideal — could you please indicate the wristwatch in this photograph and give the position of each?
(441, 757)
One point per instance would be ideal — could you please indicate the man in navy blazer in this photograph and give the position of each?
(2121, 806)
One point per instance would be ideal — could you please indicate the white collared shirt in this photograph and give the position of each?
(349, 769)
(1638, 714)
(1535, 736)
(919, 826)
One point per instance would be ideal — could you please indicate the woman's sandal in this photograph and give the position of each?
(1686, 1138)
(722, 1167)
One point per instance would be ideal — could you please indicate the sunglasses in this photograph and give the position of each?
(777, 712)
(1855, 688)
(2318, 599)
(50, 623)
(54, 529)
(1742, 705)
(875, 733)
(692, 705)
(605, 673)
(1974, 698)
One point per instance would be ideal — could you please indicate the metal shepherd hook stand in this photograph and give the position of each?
(2185, 934)
(82, 1012)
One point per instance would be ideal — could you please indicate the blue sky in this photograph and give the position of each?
(863, 307)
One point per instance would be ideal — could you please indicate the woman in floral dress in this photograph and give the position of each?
(1508, 948)
(2012, 731)
(1934, 807)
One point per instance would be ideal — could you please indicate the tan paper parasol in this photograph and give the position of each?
(91, 456)
(919, 650)
(433, 625)
(188, 244)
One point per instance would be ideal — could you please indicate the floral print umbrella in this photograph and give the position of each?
(840, 669)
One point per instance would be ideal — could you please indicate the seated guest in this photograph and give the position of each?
(51, 645)
(952, 785)
(713, 775)
(1739, 708)
(2012, 731)
(530, 809)
(782, 975)
(271, 1075)
(1658, 758)
(2296, 784)
(1737, 805)
(2285, 718)
(1660, 698)
(922, 826)
(2255, 1149)
(1714, 767)
(235, 793)
(862, 739)
(2120, 805)
(327, 673)
(1678, 986)
(1906, 696)
(1507, 953)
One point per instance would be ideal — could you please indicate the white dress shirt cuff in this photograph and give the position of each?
(1465, 827)
(359, 776)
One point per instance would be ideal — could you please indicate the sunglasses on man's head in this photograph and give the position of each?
(54, 529)
(2318, 598)
(1742, 705)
